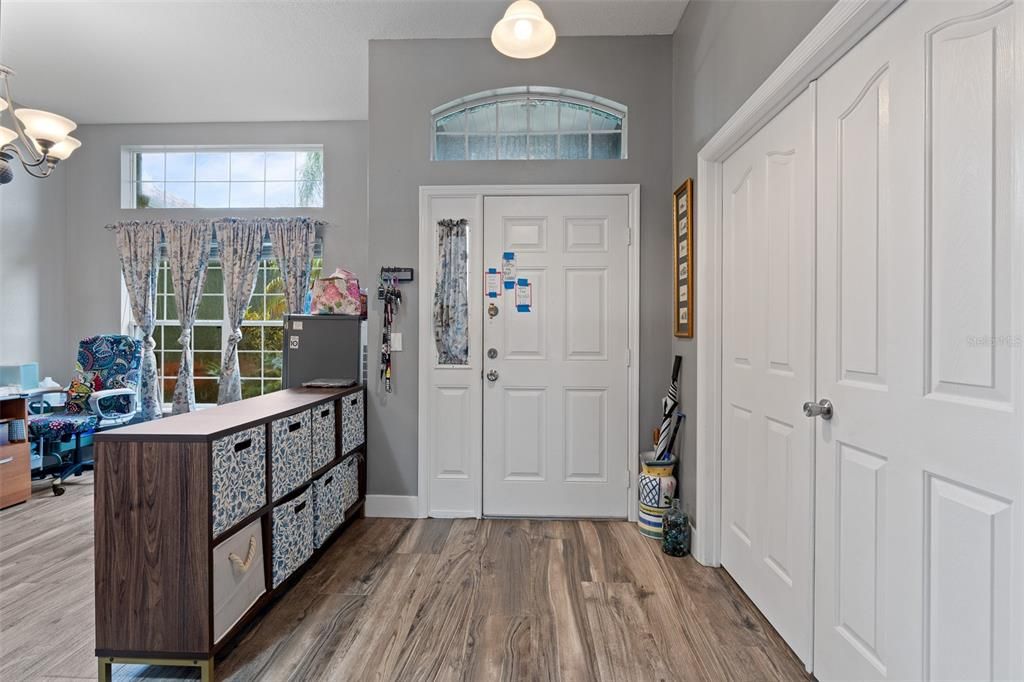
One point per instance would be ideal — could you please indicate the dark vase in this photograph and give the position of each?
(675, 538)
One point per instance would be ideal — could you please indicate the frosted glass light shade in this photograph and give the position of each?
(523, 33)
(42, 125)
(7, 135)
(3, 104)
(63, 149)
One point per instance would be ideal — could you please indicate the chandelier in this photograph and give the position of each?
(44, 137)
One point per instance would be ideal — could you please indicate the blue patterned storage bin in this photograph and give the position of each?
(323, 435)
(328, 505)
(349, 473)
(290, 459)
(292, 536)
(353, 422)
(239, 477)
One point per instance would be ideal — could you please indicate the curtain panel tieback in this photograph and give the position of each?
(138, 245)
(240, 242)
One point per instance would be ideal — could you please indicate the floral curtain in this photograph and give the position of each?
(188, 250)
(138, 244)
(239, 242)
(293, 240)
(451, 294)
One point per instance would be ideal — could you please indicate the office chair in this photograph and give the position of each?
(103, 394)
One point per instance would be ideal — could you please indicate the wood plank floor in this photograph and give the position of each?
(429, 599)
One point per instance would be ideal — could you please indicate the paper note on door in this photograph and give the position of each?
(508, 269)
(524, 296)
(493, 283)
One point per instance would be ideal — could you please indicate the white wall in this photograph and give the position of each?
(93, 200)
(32, 273)
(410, 77)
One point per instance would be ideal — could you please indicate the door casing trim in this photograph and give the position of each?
(839, 30)
(441, 507)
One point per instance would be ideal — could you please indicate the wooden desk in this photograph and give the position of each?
(187, 505)
(15, 460)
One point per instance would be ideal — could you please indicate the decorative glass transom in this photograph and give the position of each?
(529, 123)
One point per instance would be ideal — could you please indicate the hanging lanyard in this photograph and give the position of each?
(392, 299)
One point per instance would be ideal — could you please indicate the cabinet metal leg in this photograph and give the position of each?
(104, 670)
(205, 665)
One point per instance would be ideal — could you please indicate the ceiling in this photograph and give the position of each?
(168, 61)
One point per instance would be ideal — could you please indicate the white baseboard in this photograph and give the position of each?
(453, 514)
(393, 506)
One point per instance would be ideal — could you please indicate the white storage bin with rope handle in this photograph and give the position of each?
(238, 576)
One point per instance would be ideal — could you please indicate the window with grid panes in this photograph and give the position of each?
(289, 176)
(261, 347)
(529, 123)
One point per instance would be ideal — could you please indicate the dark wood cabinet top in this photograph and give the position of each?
(214, 422)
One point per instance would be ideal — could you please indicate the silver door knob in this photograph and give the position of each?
(492, 376)
(822, 408)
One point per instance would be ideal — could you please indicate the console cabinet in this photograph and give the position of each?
(201, 519)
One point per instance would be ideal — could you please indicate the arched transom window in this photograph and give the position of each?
(529, 123)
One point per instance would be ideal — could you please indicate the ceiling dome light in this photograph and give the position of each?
(523, 33)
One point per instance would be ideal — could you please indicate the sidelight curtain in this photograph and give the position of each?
(239, 243)
(292, 241)
(138, 244)
(188, 251)
(451, 293)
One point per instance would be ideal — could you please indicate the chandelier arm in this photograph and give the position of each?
(38, 158)
(45, 174)
(14, 149)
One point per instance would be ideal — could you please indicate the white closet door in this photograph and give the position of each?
(919, 473)
(767, 357)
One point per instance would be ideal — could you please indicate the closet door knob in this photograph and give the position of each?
(822, 408)
(492, 376)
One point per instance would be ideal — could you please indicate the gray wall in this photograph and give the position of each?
(410, 77)
(722, 51)
(32, 273)
(94, 194)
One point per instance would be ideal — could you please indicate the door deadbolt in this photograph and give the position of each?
(492, 353)
(822, 408)
(492, 311)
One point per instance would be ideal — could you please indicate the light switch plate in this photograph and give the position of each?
(396, 341)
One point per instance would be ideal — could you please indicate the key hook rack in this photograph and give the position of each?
(397, 274)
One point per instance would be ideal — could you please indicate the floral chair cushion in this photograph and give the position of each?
(104, 362)
(61, 424)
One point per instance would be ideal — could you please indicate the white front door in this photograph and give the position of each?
(919, 523)
(768, 370)
(555, 392)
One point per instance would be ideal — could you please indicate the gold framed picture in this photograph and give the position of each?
(682, 231)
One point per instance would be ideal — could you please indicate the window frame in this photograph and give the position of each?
(526, 94)
(129, 179)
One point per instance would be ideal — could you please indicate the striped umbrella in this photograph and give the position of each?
(669, 404)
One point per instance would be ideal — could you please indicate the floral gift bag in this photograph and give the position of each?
(336, 294)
